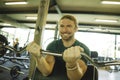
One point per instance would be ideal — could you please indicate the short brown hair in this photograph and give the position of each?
(70, 17)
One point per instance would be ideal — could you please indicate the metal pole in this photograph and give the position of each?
(40, 23)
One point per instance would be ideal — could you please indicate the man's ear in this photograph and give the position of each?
(76, 29)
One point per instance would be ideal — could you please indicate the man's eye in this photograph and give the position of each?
(61, 26)
(69, 26)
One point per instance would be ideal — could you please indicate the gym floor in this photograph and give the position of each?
(109, 74)
(5, 74)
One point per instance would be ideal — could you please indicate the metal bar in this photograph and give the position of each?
(18, 58)
(58, 10)
(10, 69)
(12, 21)
(20, 72)
(50, 53)
(5, 67)
(110, 64)
(98, 64)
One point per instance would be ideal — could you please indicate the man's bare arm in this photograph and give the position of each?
(77, 70)
(45, 64)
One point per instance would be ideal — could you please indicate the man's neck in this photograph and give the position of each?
(68, 43)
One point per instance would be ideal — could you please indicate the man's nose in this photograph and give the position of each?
(65, 29)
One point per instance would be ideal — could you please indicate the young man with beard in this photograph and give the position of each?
(68, 67)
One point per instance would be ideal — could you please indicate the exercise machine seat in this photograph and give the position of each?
(91, 73)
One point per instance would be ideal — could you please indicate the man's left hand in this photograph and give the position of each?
(70, 55)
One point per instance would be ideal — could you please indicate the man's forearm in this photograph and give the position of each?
(77, 71)
(43, 66)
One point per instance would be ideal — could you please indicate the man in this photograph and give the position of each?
(16, 46)
(69, 67)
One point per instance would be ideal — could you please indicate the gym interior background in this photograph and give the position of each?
(107, 45)
(102, 37)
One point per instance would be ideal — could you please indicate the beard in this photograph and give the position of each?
(67, 37)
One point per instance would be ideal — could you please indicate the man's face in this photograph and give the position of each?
(67, 29)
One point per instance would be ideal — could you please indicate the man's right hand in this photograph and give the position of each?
(34, 49)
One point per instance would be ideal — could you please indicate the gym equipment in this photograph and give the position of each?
(15, 71)
(3, 41)
(98, 64)
(91, 73)
(4, 47)
(40, 23)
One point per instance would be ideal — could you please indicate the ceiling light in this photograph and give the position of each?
(31, 17)
(105, 20)
(110, 2)
(6, 24)
(15, 3)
